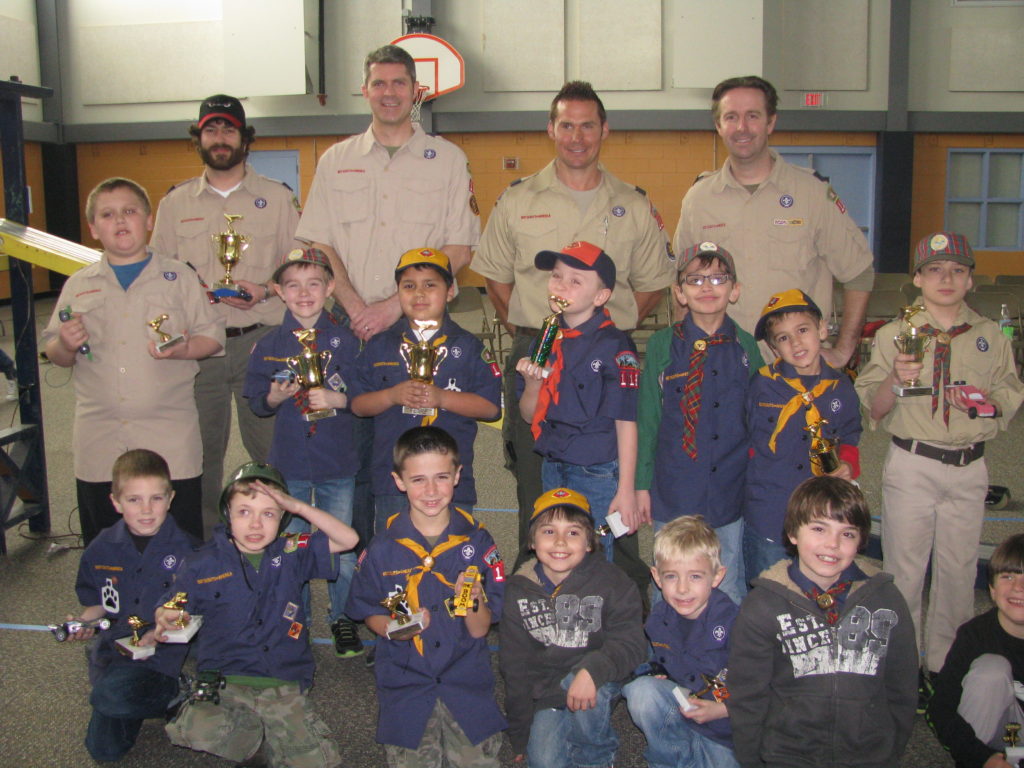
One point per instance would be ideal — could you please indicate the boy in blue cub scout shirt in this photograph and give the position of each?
(465, 387)
(689, 634)
(693, 442)
(435, 688)
(316, 455)
(246, 583)
(786, 400)
(124, 572)
(583, 405)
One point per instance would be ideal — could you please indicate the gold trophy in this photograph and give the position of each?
(404, 621)
(230, 245)
(613, 525)
(166, 340)
(824, 452)
(1014, 752)
(129, 646)
(185, 626)
(548, 333)
(310, 369)
(911, 341)
(422, 360)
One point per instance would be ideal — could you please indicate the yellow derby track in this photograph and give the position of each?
(43, 249)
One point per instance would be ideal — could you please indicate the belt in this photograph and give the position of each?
(956, 457)
(233, 333)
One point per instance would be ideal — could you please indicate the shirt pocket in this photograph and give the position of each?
(789, 245)
(352, 192)
(534, 235)
(422, 201)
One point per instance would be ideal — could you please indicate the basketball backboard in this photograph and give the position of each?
(439, 67)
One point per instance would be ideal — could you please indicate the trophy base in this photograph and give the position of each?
(1014, 755)
(225, 290)
(908, 390)
(613, 525)
(403, 631)
(169, 343)
(682, 696)
(419, 411)
(323, 413)
(186, 633)
(134, 652)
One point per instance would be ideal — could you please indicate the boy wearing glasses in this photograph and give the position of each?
(693, 442)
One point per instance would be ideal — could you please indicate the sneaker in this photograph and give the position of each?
(925, 689)
(346, 639)
(12, 389)
(371, 657)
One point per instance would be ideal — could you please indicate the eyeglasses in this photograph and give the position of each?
(698, 280)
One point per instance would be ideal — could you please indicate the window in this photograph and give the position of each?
(985, 196)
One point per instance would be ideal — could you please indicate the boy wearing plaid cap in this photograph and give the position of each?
(935, 480)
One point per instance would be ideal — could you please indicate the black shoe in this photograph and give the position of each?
(371, 656)
(925, 689)
(346, 639)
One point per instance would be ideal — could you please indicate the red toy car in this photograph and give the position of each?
(980, 407)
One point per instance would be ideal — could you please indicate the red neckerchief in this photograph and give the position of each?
(690, 403)
(940, 363)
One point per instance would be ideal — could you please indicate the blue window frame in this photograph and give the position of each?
(985, 197)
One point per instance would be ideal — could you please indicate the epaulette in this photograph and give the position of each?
(285, 185)
(519, 181)
(179, 184)
(641, 190)
(702, 175)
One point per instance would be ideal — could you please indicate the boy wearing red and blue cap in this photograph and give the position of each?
(582, 405)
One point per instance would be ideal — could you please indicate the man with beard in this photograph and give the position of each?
(188, 216)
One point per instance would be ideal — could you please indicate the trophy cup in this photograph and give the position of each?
(166, 340)
(548, 333)
(404, 621)
(824, 452)
(911, 341)
(309, 369)
(422, 361)
(129, 646)
(230, 245)
(185, 626)
(1014, 752)
(613, 525)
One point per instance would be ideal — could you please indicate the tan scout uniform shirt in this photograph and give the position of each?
(792, 232)
(537, 213)
(192, 212)
(982, 357)
(371, 207)
(124, 398)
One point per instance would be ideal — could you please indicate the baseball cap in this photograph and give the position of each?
(560, 497)
(943, 246)
(224, 107)
(709, 249)
(581, 255)
(425, 257)
(793, 300)
(303, 256)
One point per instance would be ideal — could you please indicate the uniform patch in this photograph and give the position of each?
(595, 366)
(786, 201)
(335, 341)
(938, 242)
(468, 551)
(170, 276)
(295, 630)
(453, 386)
(669, 252)
(835, 405)
(290, 544)
(336, 383)
(488, 358)
(618, 211)
(109, 597)
(291, 610)
(456, 352)
(493, 560)
(834, 197)
(788, 222)
(629, 369)
(657, 216)
(430, 154)
(982, 344)
(260, 202)
(474, 206)
(718, 632)
(362, 556)
(745, 360)
(169, 562)
(276, 562)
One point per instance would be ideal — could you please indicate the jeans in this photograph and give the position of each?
(760, 553)
(560, 738)
(335, 498)
(730, 540)
(672, 741)
(598, 482)
(121, 699)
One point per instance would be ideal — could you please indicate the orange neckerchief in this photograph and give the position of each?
(803, 399)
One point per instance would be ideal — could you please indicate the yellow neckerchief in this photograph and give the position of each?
(803, 398)
(435, 341)
(427, 560)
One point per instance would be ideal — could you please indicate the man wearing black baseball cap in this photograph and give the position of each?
(188, 216)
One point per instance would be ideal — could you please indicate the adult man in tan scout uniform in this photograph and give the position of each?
(188, 216)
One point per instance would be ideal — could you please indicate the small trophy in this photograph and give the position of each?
(404, 621)
(715, 685)
(1014, 752)
(911, 341)
(129, 646)
(310, 369)
(166, 340)
(230, 245)
(185, 627)
(613, 524)
(548, 333)
(824, 452)
(422, 361)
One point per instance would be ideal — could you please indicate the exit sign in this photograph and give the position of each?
(814, 99)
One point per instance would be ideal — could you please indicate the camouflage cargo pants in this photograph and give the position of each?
(281, 716)
(443, 739)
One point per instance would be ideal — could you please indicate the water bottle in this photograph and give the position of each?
(1005, 323)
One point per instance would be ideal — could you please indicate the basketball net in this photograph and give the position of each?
(417, 102)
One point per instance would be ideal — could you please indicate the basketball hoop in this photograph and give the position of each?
(417, 102)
